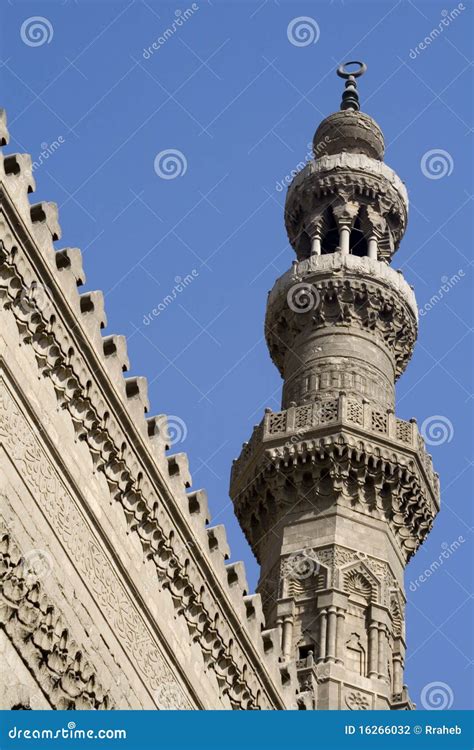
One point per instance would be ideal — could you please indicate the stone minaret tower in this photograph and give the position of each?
(334, 492)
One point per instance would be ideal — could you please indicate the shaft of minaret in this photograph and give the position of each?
(334, 492)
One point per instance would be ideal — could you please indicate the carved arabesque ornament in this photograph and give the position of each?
(61, 667)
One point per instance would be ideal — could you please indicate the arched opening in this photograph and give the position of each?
(304, 245)
(357, 241)
(330, 235)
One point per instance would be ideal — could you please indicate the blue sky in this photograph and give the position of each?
(240, 102)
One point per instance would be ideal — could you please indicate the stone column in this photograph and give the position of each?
(372, 248)
(373, 649)
(279, 624)
(316, 245)
(323, 624)
(344, 236)
(340, 636)
(333, 605)
(287, 637)
(382, 660)
(285, 610)
(397, 685)
(331, 643)
(398, 662)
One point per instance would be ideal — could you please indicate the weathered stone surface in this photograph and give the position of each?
(334, 492)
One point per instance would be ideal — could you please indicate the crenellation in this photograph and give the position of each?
(69, 261)
(4, 134)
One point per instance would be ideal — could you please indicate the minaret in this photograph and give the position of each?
(334, 492)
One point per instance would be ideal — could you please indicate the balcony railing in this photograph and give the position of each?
(296, 421)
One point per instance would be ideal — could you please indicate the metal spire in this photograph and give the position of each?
(350, 96)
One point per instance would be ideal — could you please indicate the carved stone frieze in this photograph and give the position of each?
(348, 302)
(61, 667)
(343, 471)
(56, 503)
(116, 456)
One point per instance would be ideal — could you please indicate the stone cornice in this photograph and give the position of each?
(352, 162)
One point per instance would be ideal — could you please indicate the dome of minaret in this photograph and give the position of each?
(349, 130)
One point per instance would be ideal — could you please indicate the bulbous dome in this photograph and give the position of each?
(349, 131)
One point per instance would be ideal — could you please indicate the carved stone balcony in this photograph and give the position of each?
(347, 439)
(297, 422)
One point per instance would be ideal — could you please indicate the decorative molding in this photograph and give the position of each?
(233, 653)
(55, 501)
(352, 302)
